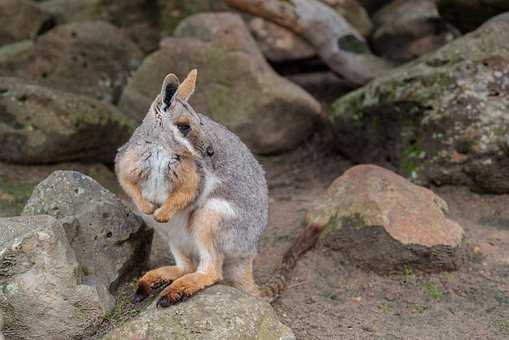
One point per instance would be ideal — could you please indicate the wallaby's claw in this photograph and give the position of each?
(167, 300)
(140, 295)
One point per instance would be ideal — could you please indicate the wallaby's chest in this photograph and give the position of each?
(156, 188)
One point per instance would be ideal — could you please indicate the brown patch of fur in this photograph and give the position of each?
(205, 226)
(129, 176)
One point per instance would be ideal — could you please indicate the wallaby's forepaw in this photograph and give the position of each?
(145, 289)
(146, 207)
(140, 295)
(162, 215)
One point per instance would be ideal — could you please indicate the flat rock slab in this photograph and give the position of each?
(383, 222)
(217, 313)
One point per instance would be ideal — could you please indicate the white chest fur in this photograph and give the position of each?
(157, 187)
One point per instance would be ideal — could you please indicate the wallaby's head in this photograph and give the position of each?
(174, 120)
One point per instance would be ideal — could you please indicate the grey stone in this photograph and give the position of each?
(109, 241)
(89, 58)
(406, 29)
(42, 294)
(442, 119)
(236, 86)
(217, 313)
(42, 125)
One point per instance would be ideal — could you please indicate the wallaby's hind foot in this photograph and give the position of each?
(185, 287)
(156, 278)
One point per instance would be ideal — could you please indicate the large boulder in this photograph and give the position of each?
(172, 12)
(90, 58)
(219, 312)
(467, 15)
(15, 190)
(135, 17)
(277, 43)
(42, 125)
(442, 119)
(42, 293)
(109, 241)
(236, 86)
(22, 19)
(354, 13)
(383, 222)
(408, 29)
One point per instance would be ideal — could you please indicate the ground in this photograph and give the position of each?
(329, 298)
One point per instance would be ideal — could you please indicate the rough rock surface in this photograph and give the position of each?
(354, 13)
(109, 241)
(408, 29)
(443, 118)
(22, 19)
(236, 86)
(172, 12)
(467, 15)
(217, 313)
(138, 18)
(42, 125)
(91, 58)
(42, 294)
(277, 43)
(383, 222)
(15, 190)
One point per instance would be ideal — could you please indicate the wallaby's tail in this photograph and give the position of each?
(279, 281)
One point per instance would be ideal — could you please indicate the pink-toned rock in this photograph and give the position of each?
(383, 222)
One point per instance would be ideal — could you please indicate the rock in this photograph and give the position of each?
(236, 85)
(42, 125)
(443, 119)
(219, 312)
(135, 17)
(15, 190)
(354, 13)
(172, 12)
(372, 6)
(467, 15)
(325, 86)
(22, 19)
(109, 241)
(90, 58)
(277, 43)
(42, 294)
(408, 29)
(383, 222)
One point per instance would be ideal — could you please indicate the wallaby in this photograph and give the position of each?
(201, 188)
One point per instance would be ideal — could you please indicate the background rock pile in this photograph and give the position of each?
(419, 88)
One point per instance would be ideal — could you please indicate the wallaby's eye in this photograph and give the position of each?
(184, 129)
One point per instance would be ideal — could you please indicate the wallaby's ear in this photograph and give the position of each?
(169, 88)
(187, 87)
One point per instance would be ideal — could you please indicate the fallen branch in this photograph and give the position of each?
(339, 45)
